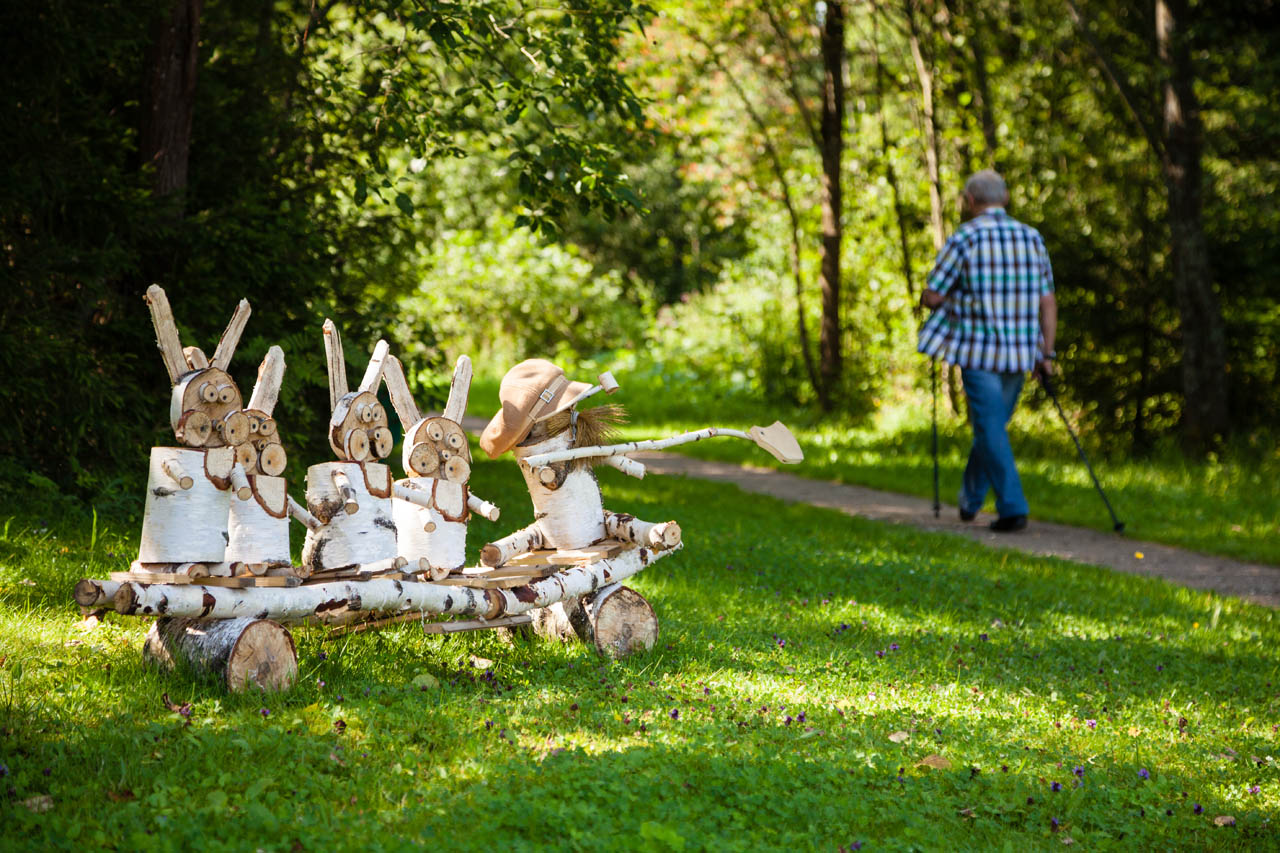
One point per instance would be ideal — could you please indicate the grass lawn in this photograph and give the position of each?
(808, 664)
(1228, 505)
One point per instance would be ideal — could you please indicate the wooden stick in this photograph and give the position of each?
(240, 482)
(302, 516)
(167, 339)
(417, 497)
(452, 626)
(626, 465)
(459, 390)
(337, 367)
(231, 337)
(174, 469)
(373, 372)
(266, 391)
(195, 357)
(90, 592)
(498, 552)
(343, 484)
(378, 595)
(628, 528)
(242, 653)
(770, 439)
(401, 397)
(482, 508)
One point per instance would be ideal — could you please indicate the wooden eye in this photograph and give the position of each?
(226, 394)
(366, 414)
(423, 460)
(357, 445)
(272, 459)
(381, 440)
(195, 428)
(267, 426)
(456, 470)
(435, 432)
(456, 440)
(247, 455)
(234, 428)
(379, 413)
(209, 392)
(254, 424)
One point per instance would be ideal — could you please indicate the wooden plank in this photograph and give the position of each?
(509, 571)
(152, 577)
(446, 627)
(530, 558)
(591, 554)
(486, 582)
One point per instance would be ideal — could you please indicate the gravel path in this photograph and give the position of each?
(1254, 582)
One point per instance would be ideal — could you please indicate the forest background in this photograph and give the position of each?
(736, 201)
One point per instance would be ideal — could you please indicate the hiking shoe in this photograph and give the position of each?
(965, 515)
(1009, 523)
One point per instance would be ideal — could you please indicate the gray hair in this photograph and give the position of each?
(987, 188)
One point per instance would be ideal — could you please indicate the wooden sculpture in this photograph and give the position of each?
(189, 488)
(352, 496)
(432, 503)
(259, 527)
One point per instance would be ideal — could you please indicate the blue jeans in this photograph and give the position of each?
(992, 398)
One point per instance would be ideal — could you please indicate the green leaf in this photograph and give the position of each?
(405, 204)
(362, 190)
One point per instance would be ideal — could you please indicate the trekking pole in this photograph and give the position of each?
(1117, 524)
(937, 504)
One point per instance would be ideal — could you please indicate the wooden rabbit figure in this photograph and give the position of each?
(259, 528)
(432, 503)
(352, 497)
(185, 519)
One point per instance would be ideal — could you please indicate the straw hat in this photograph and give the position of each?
(532, 390)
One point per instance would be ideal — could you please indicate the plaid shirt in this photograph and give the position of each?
(993, 272)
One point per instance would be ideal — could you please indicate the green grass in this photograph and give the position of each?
(996, 661)
(1228, 505)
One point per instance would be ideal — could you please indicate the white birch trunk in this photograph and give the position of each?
(241, 653)
(90, 592)
(571, 516)
(187, 525)
(259, 527)
(628, 528)
(617, 620)
(496, 553)
(349, 539)
(332, 601)
(422, 529)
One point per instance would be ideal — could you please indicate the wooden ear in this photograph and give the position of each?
(401, 398)
(373, 373)
(459, 390)
(196, 359)
(231, 337)
(166, 333)
(270, 376)
(337, 367)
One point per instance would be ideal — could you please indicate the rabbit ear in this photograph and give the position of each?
(459, 390)
(337, 367)
(270, 377)
(196, 359)
(401, 398)
(373, 373)
(166, 333)
(231, 337)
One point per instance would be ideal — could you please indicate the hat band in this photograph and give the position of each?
(544, 399)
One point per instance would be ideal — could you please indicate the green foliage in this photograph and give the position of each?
(791, 675)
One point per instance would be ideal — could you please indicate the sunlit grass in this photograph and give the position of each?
(807, 664)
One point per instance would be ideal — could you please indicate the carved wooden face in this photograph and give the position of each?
(437, 448)
(358, 430)
(204, 410)
(262, 453)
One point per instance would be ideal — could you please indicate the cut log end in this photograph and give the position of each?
(622, 622)
(244, 654)
(491, 555)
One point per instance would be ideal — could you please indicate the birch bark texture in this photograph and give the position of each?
(571, 515)
(242, 654)
(259, 527)
(430, 517)
(349, 538)
(187, 525)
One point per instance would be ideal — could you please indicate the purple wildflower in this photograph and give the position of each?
(787, 720)
(323, 656)
(265, 712)
(1143, 774)
(893, 647)
(1198, 809)
(983, 637)
(1056, 787)
(4, 770)
(319, 683)
(879, 653)
(1093, 724)
(855, 845)
(675, 713)
(1253, 789)
(1159, 667)
(1031, 801)
(1053, 821)
(706, 691)
(488, 724)
(800, 717)
(1079, 771)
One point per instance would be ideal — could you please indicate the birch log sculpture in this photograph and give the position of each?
(186, 517)
(433, 504)
(352, 496)
(259, 525)
(616, 620)
(242, 653)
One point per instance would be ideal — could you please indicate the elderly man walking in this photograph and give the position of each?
(994, 315)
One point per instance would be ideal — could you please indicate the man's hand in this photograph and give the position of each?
(1043, 369)
(931, 299)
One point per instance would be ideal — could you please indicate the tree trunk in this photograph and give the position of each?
(1204, 386)
(832, 131)
(886, 146)
(925, 76)
(165, 136)
(242, 653)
